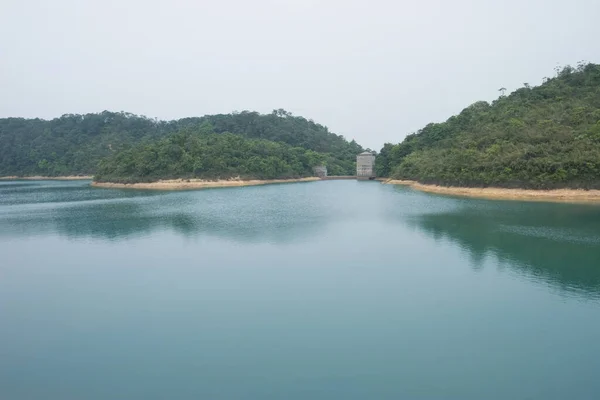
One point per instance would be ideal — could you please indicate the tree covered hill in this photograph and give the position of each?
(537, 137)
(74, 144)
(201, 153)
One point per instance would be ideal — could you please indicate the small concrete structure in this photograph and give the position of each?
(320, 171)
(365, 165)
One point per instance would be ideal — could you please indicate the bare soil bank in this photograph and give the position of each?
(183, 184)
(557, 195)
(45, 178)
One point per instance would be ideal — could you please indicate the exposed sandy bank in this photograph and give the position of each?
(183, 184)
(558, 195)
(45, 178)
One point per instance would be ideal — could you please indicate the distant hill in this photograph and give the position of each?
(201, 153)
(537, 137)
(75, 144)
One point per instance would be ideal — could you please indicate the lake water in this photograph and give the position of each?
(323, 290)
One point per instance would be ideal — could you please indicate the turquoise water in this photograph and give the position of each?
(323, 290)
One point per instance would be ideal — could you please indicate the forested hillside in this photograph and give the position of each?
(74, 144)
(201, 153)
(537, 137)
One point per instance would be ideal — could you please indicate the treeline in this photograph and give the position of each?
(74, 144)
(201, 153)
(537, 137)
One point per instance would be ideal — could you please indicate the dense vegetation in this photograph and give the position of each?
(201, 153)
(537, 137)
(75, 144)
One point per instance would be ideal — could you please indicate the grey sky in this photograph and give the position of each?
(370, 70)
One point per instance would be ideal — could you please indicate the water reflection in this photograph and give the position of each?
(13, 193)
(557, 244)
(77, 211)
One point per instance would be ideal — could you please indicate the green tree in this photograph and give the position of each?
(536, 137)
(75, 144)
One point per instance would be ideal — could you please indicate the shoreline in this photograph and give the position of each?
(190, 184)
(496, 193)
(46, 178)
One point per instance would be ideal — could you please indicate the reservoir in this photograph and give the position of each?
(321, 290)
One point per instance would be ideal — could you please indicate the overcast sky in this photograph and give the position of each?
(372, 70)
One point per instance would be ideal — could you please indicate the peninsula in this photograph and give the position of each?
(497, 193)
(130, 148)
(536, 143)
(188, 184)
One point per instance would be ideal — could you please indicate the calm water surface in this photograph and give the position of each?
(324, 290)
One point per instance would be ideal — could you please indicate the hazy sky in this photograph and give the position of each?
(370, 70)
